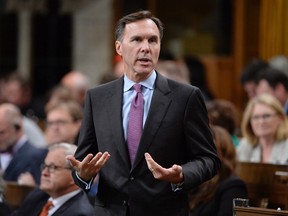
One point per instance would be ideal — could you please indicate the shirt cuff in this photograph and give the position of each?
(87, 184)
(177, 187)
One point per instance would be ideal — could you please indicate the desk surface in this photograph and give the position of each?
(15, 193)
(268, 181)
(253, 211)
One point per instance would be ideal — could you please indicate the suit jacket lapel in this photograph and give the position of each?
(115, 118)
(158, 108)
(68, 203)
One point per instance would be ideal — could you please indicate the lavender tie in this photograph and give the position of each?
(135, 123)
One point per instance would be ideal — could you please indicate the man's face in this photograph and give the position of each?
(56, 180)
(61, 127)
(139, 48)
(264, 87)
(8, 135)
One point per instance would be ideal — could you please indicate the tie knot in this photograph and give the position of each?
(46, 208)
(49, 204)
(137, 87)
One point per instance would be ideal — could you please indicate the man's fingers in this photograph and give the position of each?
(152, 165)
(72, 160)
(99, 159)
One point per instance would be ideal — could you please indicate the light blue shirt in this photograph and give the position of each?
(129, 93)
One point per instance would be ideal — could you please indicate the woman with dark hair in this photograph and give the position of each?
(215, 197)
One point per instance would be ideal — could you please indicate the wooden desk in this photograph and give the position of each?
(252, 211)
(15, 193)
(265, 181)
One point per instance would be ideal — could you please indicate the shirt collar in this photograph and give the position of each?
(57, 202)
(148, 83)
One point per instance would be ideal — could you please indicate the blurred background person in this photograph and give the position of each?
(249, 74)
(225, 114)
(118, 68)
(57, 94)
(215, 197)
(274, 82)
(63, 122)
(57, 186)
(171, 70)
(16, 90)
(197, 75)
(77, 83)
(17, 154)
(264, 128)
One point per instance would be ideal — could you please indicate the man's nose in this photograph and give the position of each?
(145, 46)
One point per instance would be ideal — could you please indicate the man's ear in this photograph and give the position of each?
(118, 48)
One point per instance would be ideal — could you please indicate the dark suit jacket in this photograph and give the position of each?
(222, 202)
(78, 205)
(5, 209)
(176, 132)
(27, 159)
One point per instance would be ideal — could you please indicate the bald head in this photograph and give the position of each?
(10, 114)
(10, 125)
(77, 83)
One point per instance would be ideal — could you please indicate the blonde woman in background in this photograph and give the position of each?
(265, 131)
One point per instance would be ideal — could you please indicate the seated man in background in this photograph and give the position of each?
(57, 188)
(248, 77)
(62, 125)
(275, 82)
(16, 90)
(63, 122)
(17, 154)
(78, 83)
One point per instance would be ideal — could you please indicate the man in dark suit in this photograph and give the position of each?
(58, 186)
(18, 155)
(176, 150)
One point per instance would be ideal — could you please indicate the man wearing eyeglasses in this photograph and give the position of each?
(63, 122)
(56, 187)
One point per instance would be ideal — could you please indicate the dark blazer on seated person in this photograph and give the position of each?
(78, 205)
(28, 158)
(221, 204)
(5, 209)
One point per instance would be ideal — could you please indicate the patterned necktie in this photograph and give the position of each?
(135, 123)
(46, 208)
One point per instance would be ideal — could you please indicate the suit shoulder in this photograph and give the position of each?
(183, 88)
(107, 86)
(80, 204)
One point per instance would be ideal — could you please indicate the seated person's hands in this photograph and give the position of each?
(26, 179)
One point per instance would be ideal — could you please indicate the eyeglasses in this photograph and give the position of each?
(52, 168)
(58, 123)
(264, 117)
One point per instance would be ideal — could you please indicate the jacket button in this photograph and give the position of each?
(125, 203)
(131, 178)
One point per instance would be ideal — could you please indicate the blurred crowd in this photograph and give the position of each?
(29, 128)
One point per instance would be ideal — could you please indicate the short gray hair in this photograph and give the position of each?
(69, 148)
